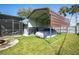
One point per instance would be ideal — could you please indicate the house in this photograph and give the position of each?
(44, 18)
(10, 25)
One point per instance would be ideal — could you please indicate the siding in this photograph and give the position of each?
(57, 20)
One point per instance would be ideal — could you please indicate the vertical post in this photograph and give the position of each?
(19, 27)
(76, 24)
(22, 25)
(12, 26)
(50, 32)
(60, 29)
(50, 22)
(0, 27)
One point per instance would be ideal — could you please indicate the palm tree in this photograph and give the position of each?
(63, 11)
(74, 9)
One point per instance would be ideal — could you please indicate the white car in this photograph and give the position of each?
(45, 33)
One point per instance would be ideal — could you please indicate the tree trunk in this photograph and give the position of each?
(59, 51)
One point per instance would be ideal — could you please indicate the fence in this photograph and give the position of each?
(71, 29)
(10, 27)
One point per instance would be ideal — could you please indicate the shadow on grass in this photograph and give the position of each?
(61, 46)
(49, 43)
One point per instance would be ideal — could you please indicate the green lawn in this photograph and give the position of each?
(33, 45)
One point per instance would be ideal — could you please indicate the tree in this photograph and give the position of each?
(24, 12)
(63, 11)
(74, 9)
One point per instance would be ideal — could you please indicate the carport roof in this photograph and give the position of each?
(37, 13)
(42, 15)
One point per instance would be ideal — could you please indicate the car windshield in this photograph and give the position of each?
(46, 29)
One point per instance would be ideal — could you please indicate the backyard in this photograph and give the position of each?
(32, 45)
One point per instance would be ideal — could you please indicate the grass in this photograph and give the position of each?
(33, 46)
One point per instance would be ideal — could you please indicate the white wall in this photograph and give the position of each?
(25, 32)
(31, 23)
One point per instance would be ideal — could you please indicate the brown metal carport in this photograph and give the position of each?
(54, 20)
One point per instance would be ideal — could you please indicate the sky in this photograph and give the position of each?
(12, 9)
